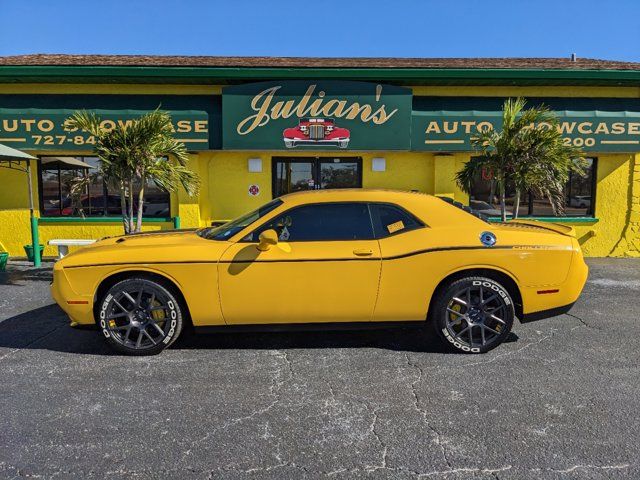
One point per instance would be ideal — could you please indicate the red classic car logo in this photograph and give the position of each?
(316, 132)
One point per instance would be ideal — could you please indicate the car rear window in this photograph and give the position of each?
(391, 219)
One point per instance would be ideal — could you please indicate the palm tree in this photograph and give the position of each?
(528, 153)
(134, 153)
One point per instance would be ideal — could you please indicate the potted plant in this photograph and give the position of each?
(4, 257)
(28, 250)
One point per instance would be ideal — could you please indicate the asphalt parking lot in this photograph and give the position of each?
(559, 400)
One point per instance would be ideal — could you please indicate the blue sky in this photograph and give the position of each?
(405, 28)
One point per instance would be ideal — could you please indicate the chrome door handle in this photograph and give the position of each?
(363, 252)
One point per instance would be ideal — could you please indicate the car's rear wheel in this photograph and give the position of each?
(140, 316)
(473, 314)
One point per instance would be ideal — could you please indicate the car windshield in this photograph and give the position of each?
(229, 229)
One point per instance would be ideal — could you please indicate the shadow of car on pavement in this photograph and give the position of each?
(19, 277)
(48, 328)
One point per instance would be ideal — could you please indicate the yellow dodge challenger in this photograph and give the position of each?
(365, 257)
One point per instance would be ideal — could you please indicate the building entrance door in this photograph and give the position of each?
(293, 174)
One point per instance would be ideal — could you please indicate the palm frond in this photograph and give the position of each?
(529, 153)
(466, 177)
(135, 152)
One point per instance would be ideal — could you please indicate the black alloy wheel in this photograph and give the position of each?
(473, 314)
(140, 316)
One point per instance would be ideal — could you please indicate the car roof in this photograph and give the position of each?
(430, 209)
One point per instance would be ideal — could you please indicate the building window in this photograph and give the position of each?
(72, 187)
(579, 194)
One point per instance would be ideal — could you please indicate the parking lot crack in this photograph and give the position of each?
(277, 382)
(462, 470)
(414, 393)
(333, 401)
(579, 467)
(510, 353)
(383, 446)
(582, 321)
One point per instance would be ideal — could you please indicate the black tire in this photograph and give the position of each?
(140, 316)
(477, 323)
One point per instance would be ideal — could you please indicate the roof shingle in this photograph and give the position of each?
(315, 62)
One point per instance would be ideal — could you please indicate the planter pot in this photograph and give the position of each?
(4, 256)
(28, 249)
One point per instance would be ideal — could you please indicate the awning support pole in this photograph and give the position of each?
(35, 241)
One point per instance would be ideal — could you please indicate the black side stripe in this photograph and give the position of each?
(305, 260)
(447, 249)
(360, 259)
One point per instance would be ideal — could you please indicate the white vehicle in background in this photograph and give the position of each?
(580, 201)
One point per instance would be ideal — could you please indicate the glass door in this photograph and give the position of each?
(293, 174)
(340, 172)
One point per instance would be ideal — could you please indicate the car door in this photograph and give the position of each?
(405, 275)
(325, 268)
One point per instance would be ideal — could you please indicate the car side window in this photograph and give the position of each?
(321, 222)
(391, 219)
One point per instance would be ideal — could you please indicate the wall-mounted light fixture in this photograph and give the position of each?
(255, 165)
(378, 164)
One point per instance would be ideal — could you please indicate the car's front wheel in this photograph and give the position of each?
(140, 316)
(473, 314)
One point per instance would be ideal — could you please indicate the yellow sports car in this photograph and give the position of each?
(370, 257)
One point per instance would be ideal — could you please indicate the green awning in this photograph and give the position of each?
(43, 129)
(590, 130)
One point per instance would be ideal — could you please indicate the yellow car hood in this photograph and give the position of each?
(157, 247)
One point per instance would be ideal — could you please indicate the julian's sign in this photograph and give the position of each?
(324, 115)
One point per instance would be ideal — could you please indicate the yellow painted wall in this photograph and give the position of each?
(611, 207)
(404, 171)
(229, 181)
(186, 207)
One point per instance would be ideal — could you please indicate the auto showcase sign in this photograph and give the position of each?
(594, 131)
(35, 129)
(327, 115)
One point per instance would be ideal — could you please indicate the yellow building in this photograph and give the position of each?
(261, 127)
